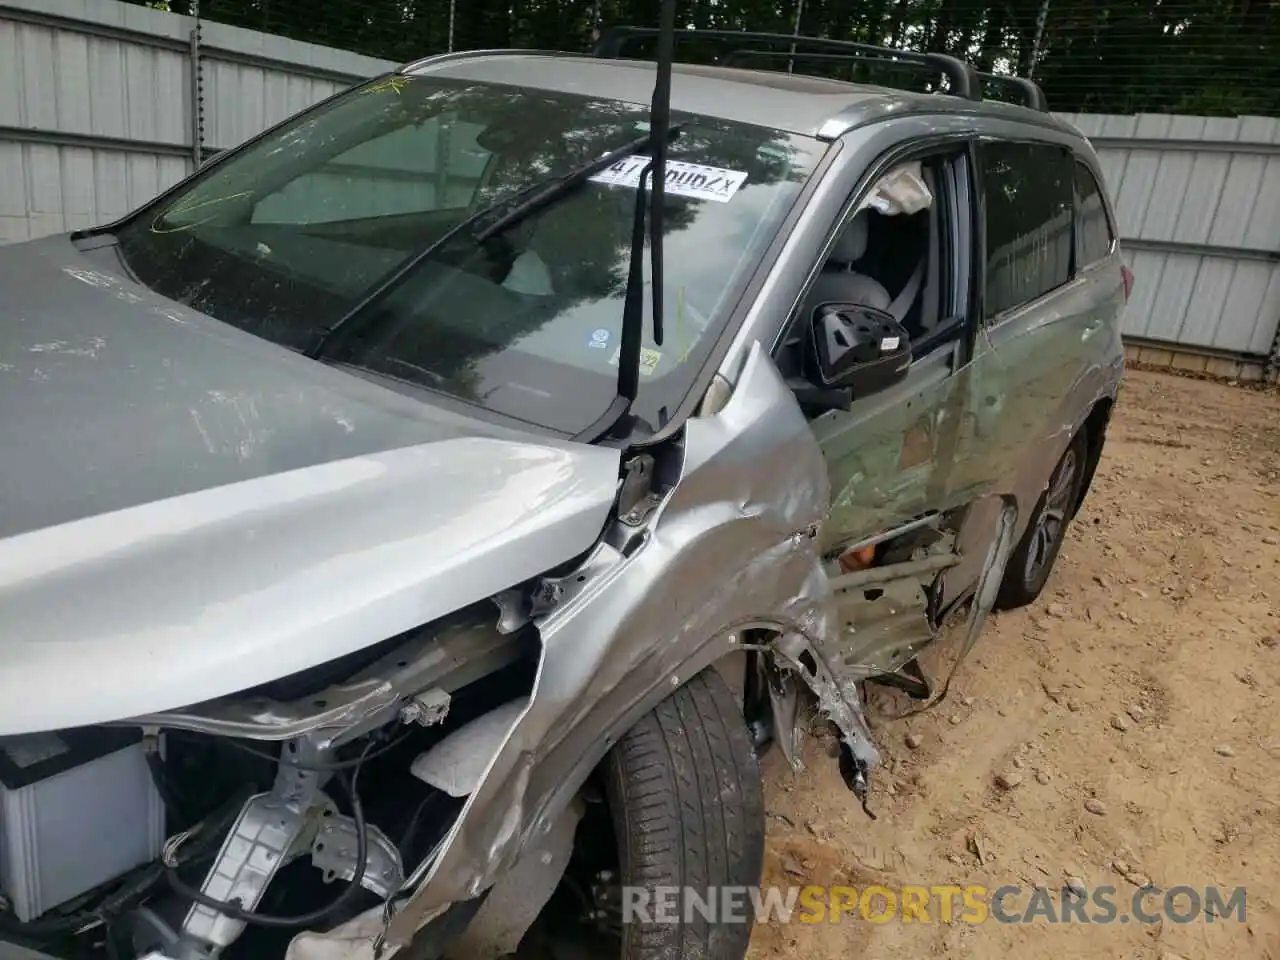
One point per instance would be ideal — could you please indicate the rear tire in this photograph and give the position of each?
(684, 791)
(1033, 558)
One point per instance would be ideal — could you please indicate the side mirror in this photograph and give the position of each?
(856, 348)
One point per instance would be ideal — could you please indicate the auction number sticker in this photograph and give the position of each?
(683, 179)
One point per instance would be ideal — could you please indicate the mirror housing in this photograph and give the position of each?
(856, 348)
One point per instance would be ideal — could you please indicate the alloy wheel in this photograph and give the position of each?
(1052, 522)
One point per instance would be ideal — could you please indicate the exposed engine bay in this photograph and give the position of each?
(226, 828)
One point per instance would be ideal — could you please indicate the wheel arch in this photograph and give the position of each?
(482, 738)
(1095, 427)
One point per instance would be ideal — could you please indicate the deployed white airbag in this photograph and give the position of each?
(900, 191)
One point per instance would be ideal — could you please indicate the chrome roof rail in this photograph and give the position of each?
(442, 58)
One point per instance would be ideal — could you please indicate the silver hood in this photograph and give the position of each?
(187, 510)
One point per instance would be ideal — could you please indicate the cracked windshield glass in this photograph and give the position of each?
(289, 238)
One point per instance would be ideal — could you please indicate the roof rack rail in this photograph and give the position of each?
(966, 81)
(962, 78)
(1028, 90)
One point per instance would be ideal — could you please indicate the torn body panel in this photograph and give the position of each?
(999, 547)
(887, 612)
(751, 498)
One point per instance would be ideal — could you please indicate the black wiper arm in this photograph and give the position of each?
(629, 349)
(659, 122)
(632, 336)
(537, 196)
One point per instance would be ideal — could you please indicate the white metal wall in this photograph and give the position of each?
(1198, 200)
(97, 108)
(97, 116)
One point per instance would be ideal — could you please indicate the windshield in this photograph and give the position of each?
(288, 237)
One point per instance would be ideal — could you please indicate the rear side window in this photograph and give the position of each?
(1028, 190)
(1093, 230)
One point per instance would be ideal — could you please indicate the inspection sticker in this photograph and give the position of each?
(683, 179)
(649, 360)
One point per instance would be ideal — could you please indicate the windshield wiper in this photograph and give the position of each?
(537, 196)
(629, 350)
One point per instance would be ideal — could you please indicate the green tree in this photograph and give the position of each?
(1110, 56)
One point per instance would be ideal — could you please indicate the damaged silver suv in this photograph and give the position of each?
(414, 523)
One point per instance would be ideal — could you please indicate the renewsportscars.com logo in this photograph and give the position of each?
(943, 903)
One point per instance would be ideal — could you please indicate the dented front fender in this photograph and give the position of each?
(734, 544)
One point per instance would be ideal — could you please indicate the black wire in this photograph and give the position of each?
(323, 767)
(411, 831)
(235, 912)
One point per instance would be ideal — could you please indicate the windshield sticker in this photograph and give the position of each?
(683, 179)
(649, 360)
(599, 339)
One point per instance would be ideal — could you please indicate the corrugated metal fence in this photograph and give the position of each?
(1198, 200)
(103, 104)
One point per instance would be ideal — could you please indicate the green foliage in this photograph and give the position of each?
(1106, 56)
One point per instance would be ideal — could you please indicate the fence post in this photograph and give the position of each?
(197, 91)
(795, 32)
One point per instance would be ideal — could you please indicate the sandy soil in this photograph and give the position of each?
(1145, 679)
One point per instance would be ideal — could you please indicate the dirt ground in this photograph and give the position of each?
(1143, 683)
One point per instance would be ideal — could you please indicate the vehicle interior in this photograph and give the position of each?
(887, 255)
(900, 252)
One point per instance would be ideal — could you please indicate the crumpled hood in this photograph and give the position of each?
(187, 510)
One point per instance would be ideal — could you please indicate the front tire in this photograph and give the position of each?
(684, 791)
(1033, 558)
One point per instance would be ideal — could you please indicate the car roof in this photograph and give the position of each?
(794, 103)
